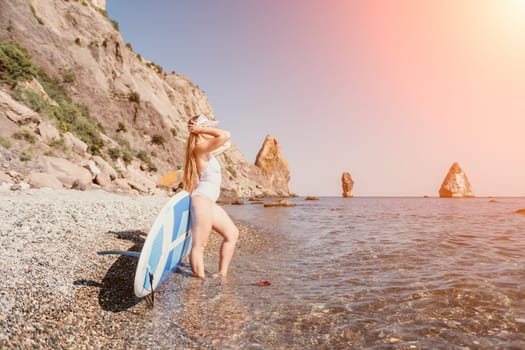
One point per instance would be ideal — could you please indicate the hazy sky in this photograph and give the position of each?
(391, 91)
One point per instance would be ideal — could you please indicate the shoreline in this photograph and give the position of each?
(57, 292)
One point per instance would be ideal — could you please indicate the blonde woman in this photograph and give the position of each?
(202, 178)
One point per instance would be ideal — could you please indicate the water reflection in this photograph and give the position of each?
(379, 273)
(211, 313)
(403, 272)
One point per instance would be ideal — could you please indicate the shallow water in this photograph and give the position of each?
(407, 273)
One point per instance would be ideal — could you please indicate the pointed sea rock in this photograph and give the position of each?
(347, 184)
(274, 167)
(455, 184)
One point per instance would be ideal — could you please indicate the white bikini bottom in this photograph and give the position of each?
(208, 189)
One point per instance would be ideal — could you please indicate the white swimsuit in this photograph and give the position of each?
(210, 181)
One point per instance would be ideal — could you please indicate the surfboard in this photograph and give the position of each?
(168, 242)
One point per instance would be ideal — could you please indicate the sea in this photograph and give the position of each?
(368, 273)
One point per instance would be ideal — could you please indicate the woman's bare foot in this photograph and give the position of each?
(198, 276)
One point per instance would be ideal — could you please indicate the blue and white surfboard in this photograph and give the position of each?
(167, 243)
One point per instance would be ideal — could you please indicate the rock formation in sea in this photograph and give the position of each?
(72, 88)
(455, 184)
(274, 166)
(280, 203)
(347, 184)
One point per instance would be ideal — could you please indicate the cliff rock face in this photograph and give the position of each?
(127, 110)
(99, 3)
(347, 184)
(274, 167)
(455, 184)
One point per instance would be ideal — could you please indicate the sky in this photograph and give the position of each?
(391, 91)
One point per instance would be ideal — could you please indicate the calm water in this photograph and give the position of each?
(402, 273)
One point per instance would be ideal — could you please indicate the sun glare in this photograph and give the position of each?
(511, 13)
(517, 5)
(504, 20)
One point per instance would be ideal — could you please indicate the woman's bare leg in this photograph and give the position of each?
(201, 224)
(223, 224)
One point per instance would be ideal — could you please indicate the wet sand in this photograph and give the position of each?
(58, 293)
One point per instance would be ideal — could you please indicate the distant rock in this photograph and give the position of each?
(15, 175)
(43, 180)
(140, 181)
(106, 169)
(281, 203)
(48, 132)
(230, 200)
(275, 169)
(92, 167)
(122, 185)
(104, 182)
(347, 184)
(5, 178)
(520, 211)
(6, 181)
(455, 184)
(15, 111)
(311, 198)
(99, 3)
(74, 143)
(67, 173)
(21, 186)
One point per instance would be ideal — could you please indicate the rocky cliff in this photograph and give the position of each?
(274, 167)
(455, 184)
(72, 89)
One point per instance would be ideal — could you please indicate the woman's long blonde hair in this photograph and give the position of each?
(191, 174)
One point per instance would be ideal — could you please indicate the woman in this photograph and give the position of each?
(202, 178)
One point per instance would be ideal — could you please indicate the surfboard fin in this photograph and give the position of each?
(151, 285)
(119, 252)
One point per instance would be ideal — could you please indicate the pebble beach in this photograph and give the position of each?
(56, 292)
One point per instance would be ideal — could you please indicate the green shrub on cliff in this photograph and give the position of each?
(134, 97)
(25, 156)
(15, 63)
(25, 135)
(232, 171)
(16, 66)
(127, 155)
(102, 11)
(114, 153)
(121, 127)
(70, 116)
(69, 77)
(115, 25)
(5, 142)
(158, 139)
(143, 156)
(32, 100)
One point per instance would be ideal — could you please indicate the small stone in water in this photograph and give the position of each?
(394, 340)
